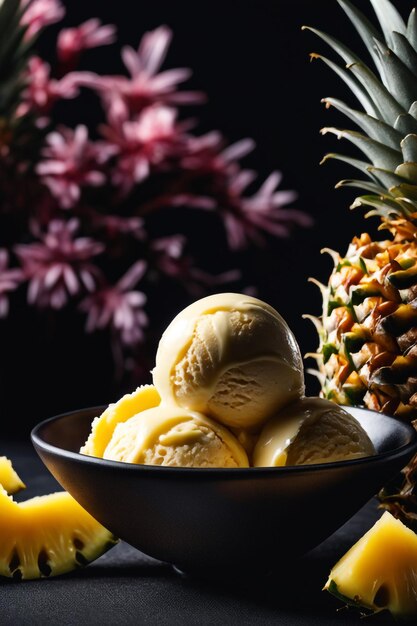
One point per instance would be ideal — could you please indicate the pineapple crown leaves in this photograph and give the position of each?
(387, 133)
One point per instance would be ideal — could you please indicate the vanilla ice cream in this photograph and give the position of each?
(102, 428)
(232, 357)
(311, 430)
(171, 436)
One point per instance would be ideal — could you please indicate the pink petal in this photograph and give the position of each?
(238, 150)
(133, 275)
(153, 48)
(132, 61)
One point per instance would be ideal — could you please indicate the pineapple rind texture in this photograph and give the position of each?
(368, 352)
(368, 329)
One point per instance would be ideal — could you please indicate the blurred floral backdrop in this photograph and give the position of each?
(110, 228)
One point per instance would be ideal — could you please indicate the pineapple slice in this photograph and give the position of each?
(8, 477)
(145, 397)
(380, 571)
(47, 535)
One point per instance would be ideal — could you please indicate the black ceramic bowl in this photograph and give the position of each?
(222, 520)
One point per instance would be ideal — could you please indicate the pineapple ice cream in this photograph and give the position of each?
(171, 436)
(232, 357)
(311, 430)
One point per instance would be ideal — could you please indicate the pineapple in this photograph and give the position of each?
(368, 330)
(102, 429)
(46, 535)
(9, 479)
(380, 571)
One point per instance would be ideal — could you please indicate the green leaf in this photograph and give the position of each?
(408, 171)
(405, 51)
(406, 123)
(364, 27)
(385, 177)
(409, 148)
(388, 106)
(389, 18)
(400, 81)
(362, 166)
(353, 84)
(385, 207)
(380, 155)
(412, 29)
(347, 55)
(405, 191)
(363, 184)
(413, 111)
(370, 125)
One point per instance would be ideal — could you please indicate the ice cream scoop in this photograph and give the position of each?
(171, 436)
(232, 357)
(102, 428)
(311, 430)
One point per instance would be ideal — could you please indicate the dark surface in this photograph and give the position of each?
(233, 521)
(126, 587)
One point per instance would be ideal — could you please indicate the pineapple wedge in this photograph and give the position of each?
(102, 428)
(9, 478)
(380, 571)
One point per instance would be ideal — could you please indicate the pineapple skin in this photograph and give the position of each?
(368, 329)
(368, 352)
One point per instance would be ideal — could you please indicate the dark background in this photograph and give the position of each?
(252, 59)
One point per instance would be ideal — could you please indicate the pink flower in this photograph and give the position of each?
(10, 280)
(59, 267)
(42, 91)
(116, 226)
(145, 143)
(246, 218)
(145, 86)
(119, 307)
(171, 261)
(72, 162)
(91, 34)
(208, 155)
(41, 13)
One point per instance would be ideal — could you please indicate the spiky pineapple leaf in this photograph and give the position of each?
(409, 148)
(379, 154)
(405, 51)
(408, 171)
(365, 185)
(412, 29)
(353, 84)
(386, 104)
(398, 78)
(380, 131)
(405, 191)
(406, 123)
(386, 178)
(364, 27)
(389, 18)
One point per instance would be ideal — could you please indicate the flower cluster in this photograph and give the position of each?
(87, 195)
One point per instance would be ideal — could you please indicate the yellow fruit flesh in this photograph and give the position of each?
(380, 570)
(47, 536)
(145, 397)
(8, 477)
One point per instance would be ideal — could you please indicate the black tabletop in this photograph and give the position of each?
(126, 587)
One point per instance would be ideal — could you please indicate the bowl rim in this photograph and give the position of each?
(238, 472)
